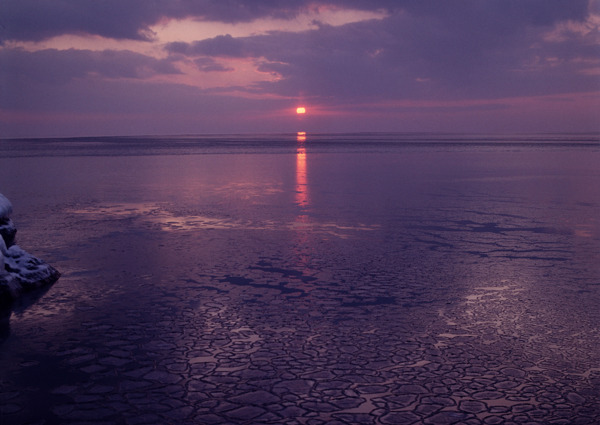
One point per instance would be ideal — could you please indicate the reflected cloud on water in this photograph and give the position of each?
(162, 218)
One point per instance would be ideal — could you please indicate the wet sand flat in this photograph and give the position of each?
(361, 284)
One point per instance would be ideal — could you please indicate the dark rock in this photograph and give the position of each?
(8, 231)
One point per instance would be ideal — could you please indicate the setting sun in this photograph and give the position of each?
(301, 110)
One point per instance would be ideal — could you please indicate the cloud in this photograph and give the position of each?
(210, 65)
(128, 107)
(419, 52)
(36, 20)
(435, 52)
(221, 45)
(497, 14)
(53, 66)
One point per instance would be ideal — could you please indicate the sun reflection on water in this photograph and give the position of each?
(301, 175)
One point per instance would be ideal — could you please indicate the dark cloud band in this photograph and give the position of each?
(35, 20)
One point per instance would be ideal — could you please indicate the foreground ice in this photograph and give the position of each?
(19, 271)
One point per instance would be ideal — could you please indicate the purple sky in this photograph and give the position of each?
(122, 67)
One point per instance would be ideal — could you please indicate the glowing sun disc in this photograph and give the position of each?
(301, 110)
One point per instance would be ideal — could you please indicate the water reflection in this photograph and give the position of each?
(302, 223)
(18, 307)
(301, 175)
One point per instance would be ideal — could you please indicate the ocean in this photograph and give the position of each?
(373, 278)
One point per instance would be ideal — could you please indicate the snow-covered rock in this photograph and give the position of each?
(7, 228)
(5, 207)
(19, 271)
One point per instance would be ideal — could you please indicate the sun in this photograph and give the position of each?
(301, 110)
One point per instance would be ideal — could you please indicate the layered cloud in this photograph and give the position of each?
(499, 53)
(389, 64)
(54, 66)
(133, 19)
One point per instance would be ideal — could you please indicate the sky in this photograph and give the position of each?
(166, 67)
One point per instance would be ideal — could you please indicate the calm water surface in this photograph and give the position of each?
(306, 279)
